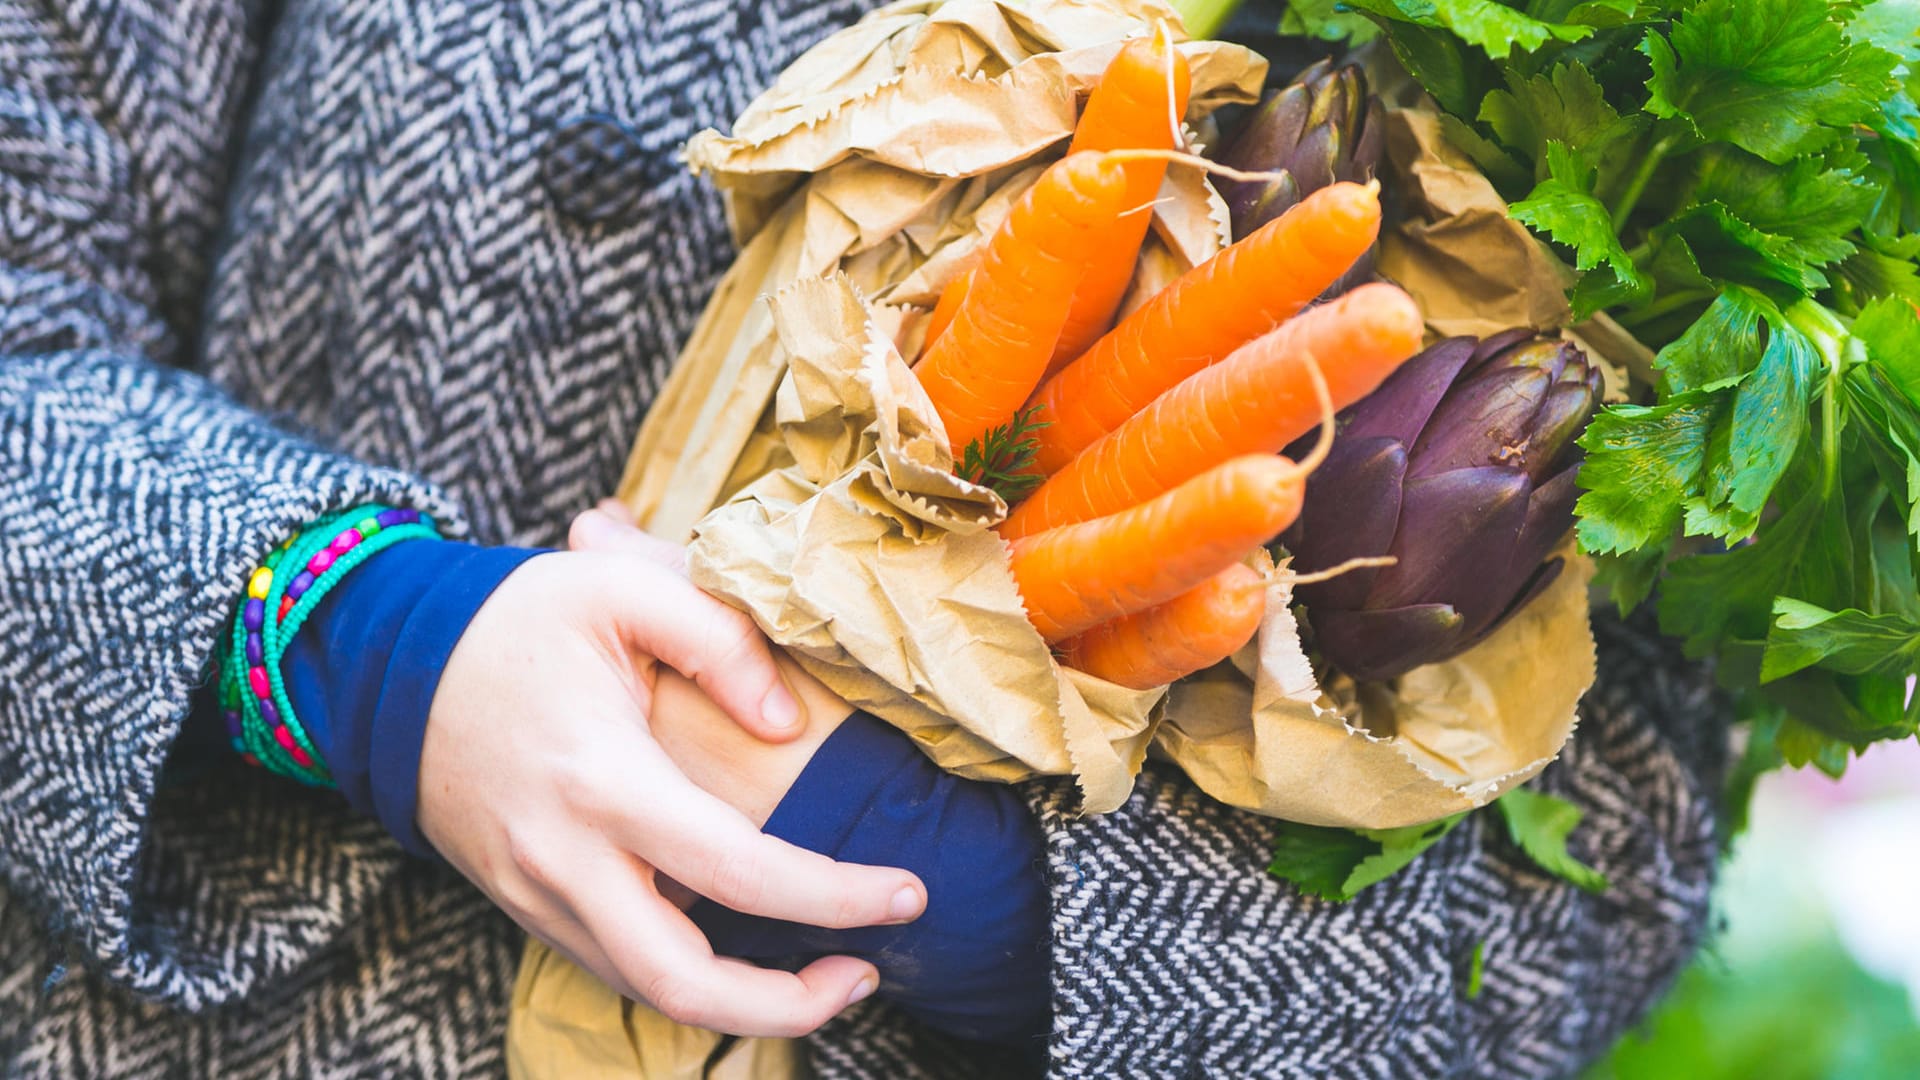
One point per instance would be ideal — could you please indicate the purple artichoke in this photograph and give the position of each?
(1322, 127)
(1461, 466)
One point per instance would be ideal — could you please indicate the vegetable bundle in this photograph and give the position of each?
(1155, 471)
(1032, 548)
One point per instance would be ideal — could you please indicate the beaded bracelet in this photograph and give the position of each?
(258, 712)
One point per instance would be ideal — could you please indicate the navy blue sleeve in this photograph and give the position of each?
(363, 670)
(976, 964)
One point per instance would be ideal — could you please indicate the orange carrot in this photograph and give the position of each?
(983, 369)
(1213, 309)
(941, 316)
(1256, 401)
(1076, 577)
(1129, 109)
(1189, 633)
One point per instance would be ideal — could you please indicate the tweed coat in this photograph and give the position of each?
(259, 260)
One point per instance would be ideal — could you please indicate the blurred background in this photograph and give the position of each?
(1815, 967)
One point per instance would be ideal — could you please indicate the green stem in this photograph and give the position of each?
(1666, 305)
(1832, 340)
(1204, 18)
(1638, 185)
(1830, 434)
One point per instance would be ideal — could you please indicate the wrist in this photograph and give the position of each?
(373, 659)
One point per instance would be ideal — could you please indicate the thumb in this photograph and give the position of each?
(663, 615)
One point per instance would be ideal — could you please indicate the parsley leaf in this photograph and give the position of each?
(1733, 250)
(1707, 598)
(1494, 28)
(1324, 20)
(1642, 462)
(1851, 642)
(1563, 207)
(1335, 864)
(1776, 77)
(1804, 201)
(1869, 275)
(1718, 350)
(1540, 824)
(1891, 329)
(1893, 25)
(1768, 423)
(1567, 106)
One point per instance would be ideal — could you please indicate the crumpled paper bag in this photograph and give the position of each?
(1442, 739)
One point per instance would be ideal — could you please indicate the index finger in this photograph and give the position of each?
(661, 958)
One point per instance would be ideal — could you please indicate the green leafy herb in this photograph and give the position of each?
(1567, 106)
(1563, 207)
(1540, 824)
(1738, 183)
(1642, 460)
(1000, 458)
(1323, 19)
(1775, 77)
(1335, 864)
(1850, 641)
(1476, 969)
(1494, 28)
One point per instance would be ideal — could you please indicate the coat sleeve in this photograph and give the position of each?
(134, 496)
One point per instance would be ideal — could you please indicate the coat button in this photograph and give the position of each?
(595, 169)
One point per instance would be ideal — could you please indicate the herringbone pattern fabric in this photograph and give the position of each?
(337, 221)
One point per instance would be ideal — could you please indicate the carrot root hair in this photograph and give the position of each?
(1358, 563)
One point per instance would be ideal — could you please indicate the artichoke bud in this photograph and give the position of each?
(1461, 467)
(1322, 127)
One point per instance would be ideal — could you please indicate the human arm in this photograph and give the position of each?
(135, 499)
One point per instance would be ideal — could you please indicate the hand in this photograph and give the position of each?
(540, 779)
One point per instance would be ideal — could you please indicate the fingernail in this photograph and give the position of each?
(862, 990)
(906, 904)
(780, 709)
